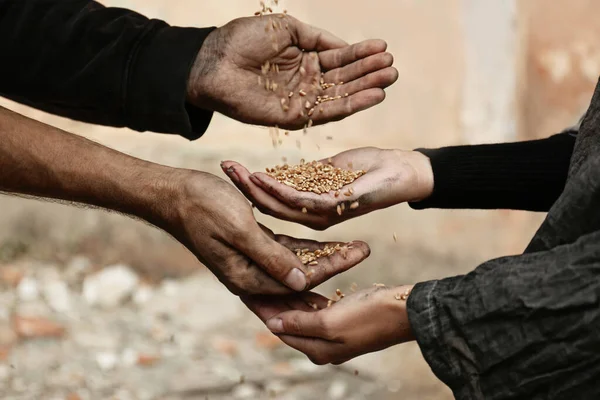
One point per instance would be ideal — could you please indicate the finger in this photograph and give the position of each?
(378, 79)
(359, 68)
(319, 351)
(355, 159)
(336, 58)
(266, 307)
(264, 201)
(297, 200)
(240, 176)
(347, 106)
(310, 38)
(273, 258)
(298, 323)
(276, 260)
(348, 256)
(322, 208)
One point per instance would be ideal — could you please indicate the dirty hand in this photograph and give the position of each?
(227, 75)
(392, 177)
(363, 322)
(214, 221)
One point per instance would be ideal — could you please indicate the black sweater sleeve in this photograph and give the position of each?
(526, 175)
(108, 66)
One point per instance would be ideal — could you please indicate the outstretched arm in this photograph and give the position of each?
(113, 66)
(525, 175)
(516, 327)
(203, 212)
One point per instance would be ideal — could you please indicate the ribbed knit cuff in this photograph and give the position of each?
(525, 175)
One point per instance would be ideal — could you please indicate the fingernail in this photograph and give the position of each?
(275, 325)
(296, 280)
(232, 174)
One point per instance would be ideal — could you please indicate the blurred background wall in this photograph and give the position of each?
(471, 71)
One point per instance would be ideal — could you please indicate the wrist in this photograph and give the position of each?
(417, 167)
(201, 79)
(155, 193)
(396, 300)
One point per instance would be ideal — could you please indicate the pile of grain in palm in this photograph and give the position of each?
(311, 257)
(314, 176)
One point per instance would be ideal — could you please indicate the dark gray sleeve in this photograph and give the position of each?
(522, 327)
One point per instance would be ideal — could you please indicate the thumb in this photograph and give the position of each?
(312, 38)
(276, 260)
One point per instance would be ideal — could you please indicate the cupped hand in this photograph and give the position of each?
(363, 322)
(231, 75)
(214, 221)
(392, 177)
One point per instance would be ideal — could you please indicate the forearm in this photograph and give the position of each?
(526, 175)
(515, 327)
(42, 161)
(102, 65)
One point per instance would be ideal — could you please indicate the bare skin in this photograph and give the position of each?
(202, 211)
(392, 177)
(225, 77)
(363, 322)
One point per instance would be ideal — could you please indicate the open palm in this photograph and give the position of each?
(270, 71)
(392, 177)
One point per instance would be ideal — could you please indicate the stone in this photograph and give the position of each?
(337, 390)
(37, 327)
(276, 387)
(28, 289)
(266, 340)
(169, 287)
(57, 296)
(142, 295)
(147, 360)
(225, 346)
(77, 268)
(106, 360)
(246, 391)
(129, 357)
(10, 275)
(110, 287)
